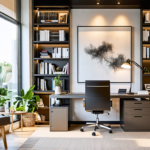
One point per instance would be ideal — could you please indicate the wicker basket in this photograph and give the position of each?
(29, 120)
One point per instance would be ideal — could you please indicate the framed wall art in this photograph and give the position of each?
(101, 50)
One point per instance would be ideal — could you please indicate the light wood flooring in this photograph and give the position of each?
(17, 138)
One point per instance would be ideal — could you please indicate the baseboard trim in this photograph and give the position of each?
(84, 122)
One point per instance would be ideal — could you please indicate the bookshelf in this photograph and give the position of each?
(39, 46)
(145, 61)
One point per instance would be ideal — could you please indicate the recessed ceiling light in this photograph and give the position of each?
(97, 3)
(118, 3)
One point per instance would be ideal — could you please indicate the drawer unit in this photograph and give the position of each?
(137, 104)
(135, 115)
(59, 119)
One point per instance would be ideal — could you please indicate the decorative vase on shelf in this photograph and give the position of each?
(2, 108)
(57, 90)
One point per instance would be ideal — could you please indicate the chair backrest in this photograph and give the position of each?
(97, 95)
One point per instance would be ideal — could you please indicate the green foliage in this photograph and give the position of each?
(3, 92)
(147, 70)
(57, 80)
(22, 100)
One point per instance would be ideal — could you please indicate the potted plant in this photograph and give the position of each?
(58, 83)
(27, 100)
(3, 100)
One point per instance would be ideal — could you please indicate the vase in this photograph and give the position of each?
(2, 108)
(58, 102)
(57, 90)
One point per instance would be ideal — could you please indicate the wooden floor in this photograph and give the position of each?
(17, 138)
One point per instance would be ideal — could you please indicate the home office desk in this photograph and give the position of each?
(135, 114)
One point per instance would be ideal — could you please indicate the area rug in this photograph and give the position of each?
(43, 139)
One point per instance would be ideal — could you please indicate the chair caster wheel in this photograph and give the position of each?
(93, 134)
(110, 131)
(81, 130)
(96, 127)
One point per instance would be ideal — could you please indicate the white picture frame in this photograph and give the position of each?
(63, 17)
(91, 39)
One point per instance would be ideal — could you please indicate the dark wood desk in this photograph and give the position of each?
(112, 95)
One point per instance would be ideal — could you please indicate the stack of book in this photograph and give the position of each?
(62, 85)
(147, 17)
(44, 54)
(41, 84)
(48, 68)
(54, 36)
(146, 52)
(42, 35)
(146, 35)
(60, 53)
(62, 35)
(47, 17)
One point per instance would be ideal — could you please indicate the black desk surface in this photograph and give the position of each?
(112, 95)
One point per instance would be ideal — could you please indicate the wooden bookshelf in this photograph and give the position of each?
(145, 61)
(38, 46)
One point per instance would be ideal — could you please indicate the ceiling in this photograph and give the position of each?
(93, 3)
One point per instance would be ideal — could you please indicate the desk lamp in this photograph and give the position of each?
(127, 64)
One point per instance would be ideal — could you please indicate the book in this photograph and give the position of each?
(67, 68)
(45, 56)
(38, 17)
(40, 68)
(144, 52)
(147, 53)
(37, 35)
(42, 84)
(50, 68)
(37, 68)
(42, 35)
(38, 81)
(59, 72)
(45, 67)
(45, 86)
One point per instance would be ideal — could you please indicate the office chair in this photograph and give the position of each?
(97, 100)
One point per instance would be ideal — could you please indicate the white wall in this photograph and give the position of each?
(26, 25)
(103, 17)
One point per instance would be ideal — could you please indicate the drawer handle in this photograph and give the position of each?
(137, 103)
(138, 116)
(137, 109)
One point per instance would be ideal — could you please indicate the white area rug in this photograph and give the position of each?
(43, 139)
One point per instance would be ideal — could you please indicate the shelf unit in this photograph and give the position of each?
(145, 61)
(38, 46)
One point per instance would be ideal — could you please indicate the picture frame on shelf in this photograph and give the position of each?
(147, 87)
(40, 104)
(63, 17)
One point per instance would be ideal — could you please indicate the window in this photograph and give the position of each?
(10, 57)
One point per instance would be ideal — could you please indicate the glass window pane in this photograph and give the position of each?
(9, 58)
(9, 7)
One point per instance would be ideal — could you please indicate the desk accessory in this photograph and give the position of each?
(122, 91)
(128, 63)
(143, 92)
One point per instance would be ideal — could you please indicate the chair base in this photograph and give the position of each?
(96, 126)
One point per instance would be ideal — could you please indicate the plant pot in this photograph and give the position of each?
(57, 90)
(2, 108)
(29, 119)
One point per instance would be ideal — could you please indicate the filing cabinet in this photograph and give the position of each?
(135, 115)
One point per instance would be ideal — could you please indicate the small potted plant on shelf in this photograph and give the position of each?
(3, 100)
(12, 109)
(147, 71)
(58, 83)
(27, 100)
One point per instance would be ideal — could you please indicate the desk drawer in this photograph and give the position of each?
(137, 123)
(137, 104)
(136, 111)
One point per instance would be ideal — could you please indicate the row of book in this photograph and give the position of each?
(146, 52)
(147, 17)
(146, 35)
(41, 84)
(48, 68)
(60, 53)
(47, 35)
(46, 17)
